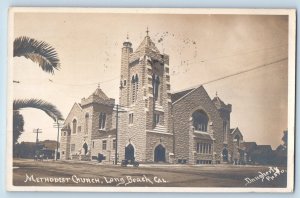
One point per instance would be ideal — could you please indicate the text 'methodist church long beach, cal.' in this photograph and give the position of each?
(154, 124)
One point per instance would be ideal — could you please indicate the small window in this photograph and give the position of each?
(124, 83)
(114, 144)
(156, 119)
(104, 143)
(63, 152)
(130, 118)
(102, 120)
(93, 144)
(86, 123)
(198, 148)
(74, 126)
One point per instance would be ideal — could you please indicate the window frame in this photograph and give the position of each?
(102, 121)
(74, 126)
(114, 144)
(86, 124)
(104, 145)
(200, 121)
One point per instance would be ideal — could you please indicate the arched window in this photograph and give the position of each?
(74, 125)
(135, 87)
(102, 120)
(86, 127)
(155, 84)
(200, 120)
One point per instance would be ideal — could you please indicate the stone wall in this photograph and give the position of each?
(155, 139)
(183, 109)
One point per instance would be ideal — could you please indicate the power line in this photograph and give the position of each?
(231, 75)
(245, 71)
(185, 63)
(237, 73)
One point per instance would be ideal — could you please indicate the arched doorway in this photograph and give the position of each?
(225, 155)
(129, 152)
(85, 148)
(160, 154)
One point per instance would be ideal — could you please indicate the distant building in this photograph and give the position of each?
(249, 147)
(46, 149)
(155, 125)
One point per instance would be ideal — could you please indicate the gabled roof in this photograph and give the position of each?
(75, 105)
(236, 131)
(232, 130)
(147, 43)
(218, 102)
(177, 95)
(98, 92)
(98, 96)
(148, 48)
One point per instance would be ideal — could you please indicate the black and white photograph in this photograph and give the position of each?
(154, 100)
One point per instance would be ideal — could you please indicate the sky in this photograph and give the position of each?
(202, 48)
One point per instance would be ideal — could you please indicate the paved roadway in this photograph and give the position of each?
(70, 173)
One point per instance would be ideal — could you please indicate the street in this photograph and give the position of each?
(75, 173)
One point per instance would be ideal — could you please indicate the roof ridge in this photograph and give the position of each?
(188, 92)
(186, 89)
(147, 43)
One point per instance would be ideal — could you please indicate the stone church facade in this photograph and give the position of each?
(154, 125)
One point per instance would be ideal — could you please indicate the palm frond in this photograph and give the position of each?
(47, 107)
(38, 51)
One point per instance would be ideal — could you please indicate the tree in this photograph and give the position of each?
(46, 56)
(281, 150)
(38, 51)
(283, 146)
(285, 138)
(18, 125)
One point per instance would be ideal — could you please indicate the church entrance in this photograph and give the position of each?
(129, 152)
(160, 154)
(225, 155)
(85, 148)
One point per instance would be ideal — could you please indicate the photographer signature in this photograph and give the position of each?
(270, 175)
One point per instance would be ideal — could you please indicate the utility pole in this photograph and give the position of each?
(37, 131)
(116, 149)
(57, 125)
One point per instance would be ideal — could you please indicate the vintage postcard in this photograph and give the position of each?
(151, 100)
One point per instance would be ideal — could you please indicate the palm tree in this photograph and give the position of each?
(38, 51)
(47, 107)
(42, 53)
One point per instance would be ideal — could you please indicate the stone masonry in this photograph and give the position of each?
(154, 125)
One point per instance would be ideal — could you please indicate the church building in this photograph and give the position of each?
(153, 125)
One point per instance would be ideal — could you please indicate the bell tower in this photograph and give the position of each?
(124, 79)
(145, 92)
